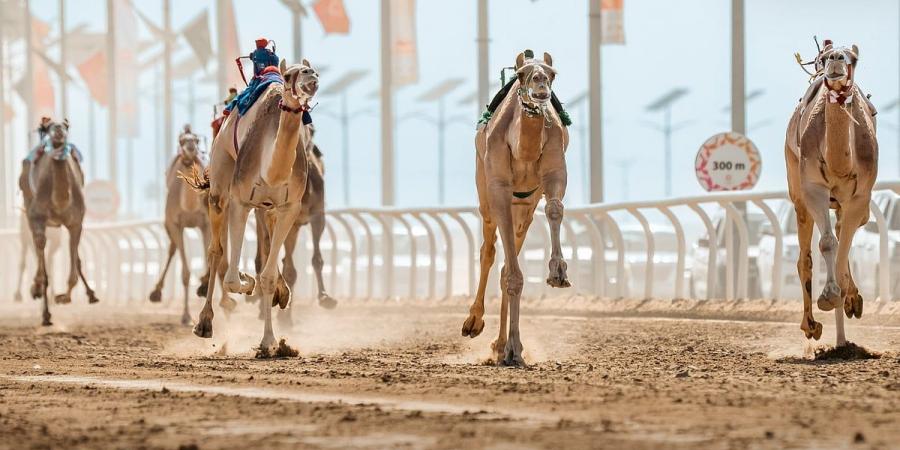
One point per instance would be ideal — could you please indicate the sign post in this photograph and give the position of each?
(101, 200)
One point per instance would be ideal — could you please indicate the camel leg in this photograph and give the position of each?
(22, 267)
(282, 296)
(474, 324)
(156, 295)
(204, 280)
(235, 281)
(74, 238)
(501, 204)
(289, 275)
(87, 288)
(217, 210)
(317, 225)
(185, 275)
(262, 248)
(856, 212)
(39, 286)
(810, 327)
(555, 189)
(817, 201)
(268, 278)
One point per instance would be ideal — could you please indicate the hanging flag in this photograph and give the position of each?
(196, 33)
(42, 95)
(403, 42)
(8, 113)
(93, 71)
(229, 46)
(126, 68)
(613, 21)
(333, 16)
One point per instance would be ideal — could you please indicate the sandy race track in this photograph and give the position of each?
(398, 375)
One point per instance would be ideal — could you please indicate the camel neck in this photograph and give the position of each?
(280, 166)
(531, 136)
(60, 194)
(838, 152)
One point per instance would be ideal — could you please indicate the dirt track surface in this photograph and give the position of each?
(376, 375)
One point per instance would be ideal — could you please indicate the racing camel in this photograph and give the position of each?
(185, 209)
(255, 164)
(520, 158)
(53, 189)
(312, 212)
(832, 162)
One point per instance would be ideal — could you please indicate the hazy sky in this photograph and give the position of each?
(668, 44)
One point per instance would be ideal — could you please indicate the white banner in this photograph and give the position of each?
(403, 42)
(612, 13)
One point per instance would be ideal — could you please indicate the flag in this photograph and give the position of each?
(229, 47)
(403, 42)
(196, 33)
(8, 113)
(93, 71)
(612, 21)
(126, 68)
(333, 16)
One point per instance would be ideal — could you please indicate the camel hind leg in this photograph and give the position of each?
(217, 210)
(854, 213)
(288, 277)
(474, 324)
(156, 295)
(23, 263)
(185, 275)
(317, 225)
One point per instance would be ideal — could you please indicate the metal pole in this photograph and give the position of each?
(738, 93)
(224, 62)
(298, 36)
(111, 86)
(667, 131)
(167, 77)
(483, 57)
(29, 78)
(6, 168)
(387, 108)
(442, 199)
(595, 41)
(64, 104)
(345, 148)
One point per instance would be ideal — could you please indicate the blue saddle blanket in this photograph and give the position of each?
(254, 90)
(69, 149)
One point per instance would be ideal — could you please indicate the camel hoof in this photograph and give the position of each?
(36, 291)
(227, 304)
(558, 278)
(497, 348)
(513, 354)
(156, 296)
(202, 289)
(92, 298)
(203, 328)
(248, 283)
(325, 301)
(62, 299)
(812, 330)
(830, 297)
(282, 296)
(46, 322)
(266, 349)
(186, 319)
(472, 326)
(853, 306)
(17, 297)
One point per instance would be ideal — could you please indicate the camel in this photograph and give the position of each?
(54, 241)
(832, 162)
(184, 209)
(520, 158)
(53, 190)
(255, 164)
(312, 212)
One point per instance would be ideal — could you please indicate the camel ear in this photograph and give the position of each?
(282, 66)
(855, 50)
(306, 63)
(66, 124)
(520, 61)
(548, 59)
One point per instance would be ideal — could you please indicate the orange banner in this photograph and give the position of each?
(403, 42)
(126, 68)
(333, 16)
(93, 72)
(43, 97)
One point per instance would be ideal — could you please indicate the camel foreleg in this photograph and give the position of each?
(855, 212)
(185, 275)
(39, 286)
(317, 225)
(268, 278)
(555, 189)
(74, 239)
(501, 204)
(156, 295)
(236, 281)
(817, 199)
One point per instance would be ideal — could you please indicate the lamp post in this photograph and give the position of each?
(664, 104)
(298, 11)
(438, 94)
(340, 87)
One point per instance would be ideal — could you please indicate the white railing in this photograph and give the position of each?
(613, 250)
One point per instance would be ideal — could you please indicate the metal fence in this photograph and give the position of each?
(672, 248)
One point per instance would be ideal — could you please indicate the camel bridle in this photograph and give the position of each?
(534, 108)
(304, 103)
(844, 95)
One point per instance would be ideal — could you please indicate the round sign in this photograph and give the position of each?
(102, 199)
(728, 162)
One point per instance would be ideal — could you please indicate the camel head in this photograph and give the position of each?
(837, 65)
(301, 82)
(535, 77)
(58, 132)
(189, 146)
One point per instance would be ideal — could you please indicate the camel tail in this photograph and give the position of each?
(198, 179)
